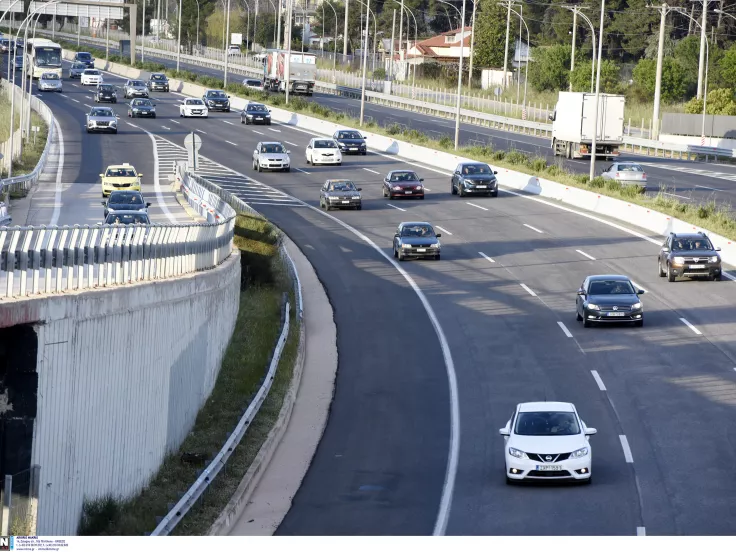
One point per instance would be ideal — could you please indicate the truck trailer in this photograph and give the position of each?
(573, 125)
(302, 72)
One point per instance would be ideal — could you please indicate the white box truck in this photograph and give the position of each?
(573, 125)
(302, 72)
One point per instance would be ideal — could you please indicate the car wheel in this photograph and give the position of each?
(461, 191)
(577, 316)
(587, 481)
(154, 115)
(395, 253)
(494, 194)
(716, 277)
(259, 167)
(421, 197)
(307, 160)
(662, 273)
(639, 323)
(587, 323)
(400, 256)
(364, 153)
(115, 131)
(670, 275)
(453, 191)
(359, 207)
(288, 169)
(437, 257)
(510, 481)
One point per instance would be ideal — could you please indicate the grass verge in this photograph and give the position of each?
(264, 281)
(712, 216)
(33, 148)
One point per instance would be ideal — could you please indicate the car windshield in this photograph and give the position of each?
(127, 218)
(632, 168)
(349, 135)
(158, 77)
(417, 231)
(345, 186)
(272, 148)
(612, 287)
(691, 244)
(325, 144)
(403, 176)
(125, 198)
(100, 112)
(137, 83)
(477, 169)
(216, 94)
(50, 76)
(120, 173)
(547, 423)
(91, 72)
(79, 66)
(105, 88)
(48, 57)
(257, 108)
(19, 59)
(194, 102)
(84, 56)
(253, 83)
(144, 103)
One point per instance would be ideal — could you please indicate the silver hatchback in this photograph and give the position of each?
(49, 82)
(136, 89)
(628, 174)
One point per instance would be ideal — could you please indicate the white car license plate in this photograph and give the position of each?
(421, 250)
(697, 266)
(408, 192)
(481, 186)
(547, 467)
(345, 201)
(615, 314)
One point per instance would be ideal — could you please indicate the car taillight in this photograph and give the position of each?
(617, 175)
(643, 175)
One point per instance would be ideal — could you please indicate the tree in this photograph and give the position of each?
(550, 69)
(728, 65)
(635, 24)
(610, 77)
(720, 102)
(650, 52)
(490, 35)
(674, 84)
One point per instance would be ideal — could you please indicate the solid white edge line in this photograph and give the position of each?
(528, 289)
(445, 230)
(486, 257)
(535, 229)
(474, 205)
(695, 330)
(627, 450)
(584, 254)
(564, 328)
(641, 532)
(156, 183)
(395, 207)
(59, 174)
(448, 487)
(598, 380)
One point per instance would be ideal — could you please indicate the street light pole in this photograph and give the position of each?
(707, 52)
(506, 47)
(178, 41)
(597, 93)
(365, 61)
(703, 46)
(197, 1)
(663, 11)
(472, 43)
(278, 27)
(334, 41)
(576, 10)
(526, 71)
(574, 34)
(345, 32)
(460, 77)
(143, 47)
(287, 68)
(227, 35)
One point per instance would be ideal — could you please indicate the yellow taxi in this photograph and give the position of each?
(120, 177)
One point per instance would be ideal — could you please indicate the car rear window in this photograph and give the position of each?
(547, 423)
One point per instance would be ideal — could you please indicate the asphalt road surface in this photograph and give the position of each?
(503, 296)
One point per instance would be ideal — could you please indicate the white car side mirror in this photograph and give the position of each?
(504, 431)
(590, 431)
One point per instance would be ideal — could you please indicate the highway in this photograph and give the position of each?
(683, 180)
(662, 397)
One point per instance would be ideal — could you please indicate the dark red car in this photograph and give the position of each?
(403, 184)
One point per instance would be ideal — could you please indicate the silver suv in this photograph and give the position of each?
(136, 89)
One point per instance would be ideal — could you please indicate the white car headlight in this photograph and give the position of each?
(435, 245)
(636, 306)
(714, 259)
(679, 260)
(516, 453)
(591, 306)
(356, 197)
(406, 245)
(579, 453)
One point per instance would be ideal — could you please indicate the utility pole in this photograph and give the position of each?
(278, 27)
(287, 68)
(401, 28)
(393, 30)
(664, 9)
(574, 31)
(345, 33)
(472, 43)
(701, 64)
(597, 94)
(508, 5)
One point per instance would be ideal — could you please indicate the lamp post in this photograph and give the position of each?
(460, 79)
(197, 1)
(576, 10)
(526, 71)
(597, 92)
(227, 34)
(416, 38)
(275, 15)
(375, 32)
(707, 55)
(334, 41)
(178, 41)
(472, 43)
(365, 59)
(12, 95)
(287, 68)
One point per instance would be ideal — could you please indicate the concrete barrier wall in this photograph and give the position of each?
(122, 373)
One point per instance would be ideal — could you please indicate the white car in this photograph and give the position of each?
(626, 173)
(547, 440)
(233, 50)
(253, 83)
(271, 156)
(50, 82)
(193, 107)
(323, 151)
(91, 77)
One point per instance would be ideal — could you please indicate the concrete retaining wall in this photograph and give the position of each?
(122, 373)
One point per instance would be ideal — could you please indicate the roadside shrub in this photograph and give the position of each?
(706, 210)
(447, 142)
(393, 129)
(517, 158)
(612, 186)
(538, 164)
(379, 74)
(499, 155)
(555, 170)
(597, 183)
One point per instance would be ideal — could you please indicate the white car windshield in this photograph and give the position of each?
(272, 148)
(540, 424)
(50, 76)
(633, 168)
(325, 144)
(194, 102)
(101, 113)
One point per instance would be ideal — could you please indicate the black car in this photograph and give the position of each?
(609, 298)
(340, 194)
(142, 107)
(403, 184)
(416, 240)
(158, 81)
(217, 100)
(474, 178)
(125, 201)
(350, 141)
(106, 93)
(86, 58)
(255, 113)
(692, 255)
(6, 45)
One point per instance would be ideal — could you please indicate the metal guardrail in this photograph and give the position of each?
(25, 182)
(190, 497)
(708, 151)
(52, 259)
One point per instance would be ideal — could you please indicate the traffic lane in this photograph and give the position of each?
(380, 465)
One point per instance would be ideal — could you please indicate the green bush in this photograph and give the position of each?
(517, 158)
(598, 182)
(447, 142)
(393, 129)
(379, 74)
(538, 164)
(499, 155)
